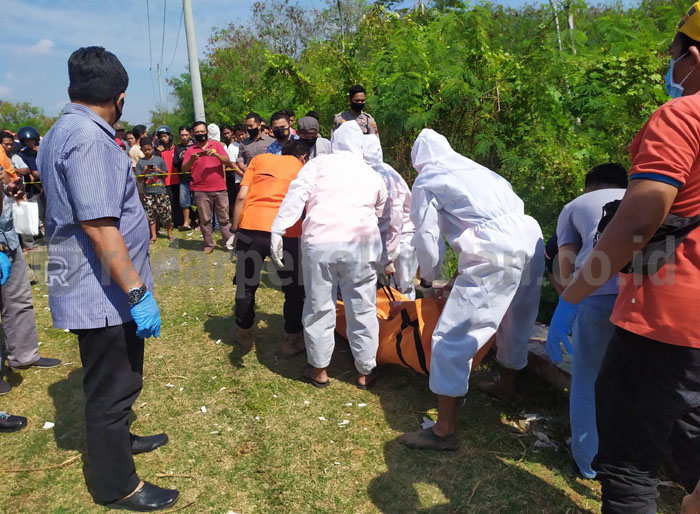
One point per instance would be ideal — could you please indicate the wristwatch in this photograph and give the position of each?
(135, 294)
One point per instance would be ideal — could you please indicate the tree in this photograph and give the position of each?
(14, 116)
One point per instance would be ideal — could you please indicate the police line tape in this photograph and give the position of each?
(150, 175)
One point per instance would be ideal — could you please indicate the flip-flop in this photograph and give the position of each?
(374, 375)
(315, 383)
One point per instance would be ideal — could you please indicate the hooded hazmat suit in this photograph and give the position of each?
(501, 260)
(340, 246)
(397, 229)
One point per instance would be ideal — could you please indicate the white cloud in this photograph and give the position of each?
(4, 91)
(43, 46)
(10, 77)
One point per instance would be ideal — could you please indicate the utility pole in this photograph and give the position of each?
(195, 79)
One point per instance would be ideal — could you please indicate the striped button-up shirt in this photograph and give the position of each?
(86, 176)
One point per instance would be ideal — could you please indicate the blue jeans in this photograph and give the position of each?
(185, 196)
(592, 332)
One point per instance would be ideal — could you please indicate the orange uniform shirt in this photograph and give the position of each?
(664, 306)
(267, 178)
(7, 164)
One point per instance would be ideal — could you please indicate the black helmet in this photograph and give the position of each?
(164, 129)
(28, 133)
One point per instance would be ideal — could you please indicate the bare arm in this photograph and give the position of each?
(111, 250)
(238, 207)
(567, 260)
(644, 207)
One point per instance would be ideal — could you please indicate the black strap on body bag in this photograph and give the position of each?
(662, 245)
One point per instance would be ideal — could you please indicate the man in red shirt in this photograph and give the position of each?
(206, 160)
(648, 387)
(172, 179)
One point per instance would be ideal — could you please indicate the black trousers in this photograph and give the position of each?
(232, 188)
(252, 248)
(174, 195)
(647, 410)
(112, 359)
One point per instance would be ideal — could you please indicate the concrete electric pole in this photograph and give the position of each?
(195, 79)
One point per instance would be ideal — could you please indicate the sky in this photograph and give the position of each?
(40, 35)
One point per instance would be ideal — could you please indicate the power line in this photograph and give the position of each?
(177, 40)
(150, 50)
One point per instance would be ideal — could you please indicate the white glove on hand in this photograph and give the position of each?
(231, 243)
(276, 244)
(389, 269)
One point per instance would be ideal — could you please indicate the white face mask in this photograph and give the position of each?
(673, 88)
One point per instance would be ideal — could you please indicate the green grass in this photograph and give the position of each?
(261, 447)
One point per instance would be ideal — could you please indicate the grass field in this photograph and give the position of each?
(268, 442)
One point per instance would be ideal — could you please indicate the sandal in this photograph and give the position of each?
(371, 379)
(318, 385)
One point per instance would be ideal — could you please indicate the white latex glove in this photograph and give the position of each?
(276, 244)
(231, 243)
(389, 269)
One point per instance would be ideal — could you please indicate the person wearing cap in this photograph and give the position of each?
(357, 97)
(648, 388)
(120, 135)
(308, 132)
(166, 149)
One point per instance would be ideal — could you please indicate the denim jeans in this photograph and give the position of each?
(591, 334)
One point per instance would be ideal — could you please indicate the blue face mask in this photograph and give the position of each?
(675, 89)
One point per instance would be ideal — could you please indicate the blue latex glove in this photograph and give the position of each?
(5, 266)
(147, 317)
(559, 329)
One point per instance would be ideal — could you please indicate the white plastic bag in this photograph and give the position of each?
(25, 217)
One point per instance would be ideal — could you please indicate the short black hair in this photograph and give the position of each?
(279, 115)
(686, 42)
(146, 141)
(96, 75)
(254, 115)
(609, 173)
(198, 123)
(6, 135)
(183, 127)
(289, 112)
(295, 147)
(240, 127)
(356, 89)
(138, 131)
(225, 126)
(313, 114)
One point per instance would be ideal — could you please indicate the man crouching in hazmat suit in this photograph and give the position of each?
(501, 258)
(397, 229)
(342, 198)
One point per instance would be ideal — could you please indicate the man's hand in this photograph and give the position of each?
(390, 269)
(211, 152)
(5, 267)
(276, 252)
(559, 328)
(15, 188)
(147, 317)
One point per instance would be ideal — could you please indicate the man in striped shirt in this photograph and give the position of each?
(99, 273)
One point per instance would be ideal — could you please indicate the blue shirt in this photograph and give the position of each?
(276, 147)
(86, 176)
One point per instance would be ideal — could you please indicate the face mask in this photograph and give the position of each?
(201, 138)
(253, 132)
(310, 142)
(674, 89)
(117, 110)
(281, 133)
(357, 106)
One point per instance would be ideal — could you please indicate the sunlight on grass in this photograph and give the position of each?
(269, 443)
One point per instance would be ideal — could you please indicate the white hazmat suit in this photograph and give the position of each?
(340, 246)
(397, 228)
(501, 260)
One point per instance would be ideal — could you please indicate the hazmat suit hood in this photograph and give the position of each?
(372, 150)
(433, 149)
(213, 132)
(347, 138)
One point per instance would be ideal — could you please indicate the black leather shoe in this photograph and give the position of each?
(5, 387)
(143, 444)
(147, 499)
(10, 423)
(41, 362)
